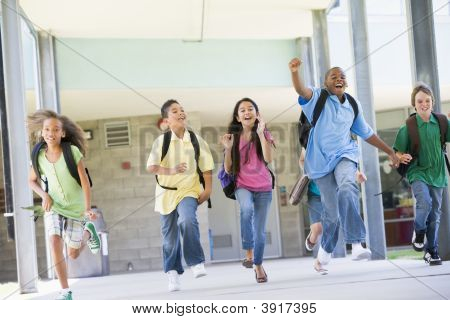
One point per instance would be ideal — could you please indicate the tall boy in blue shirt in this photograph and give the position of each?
(331, 161)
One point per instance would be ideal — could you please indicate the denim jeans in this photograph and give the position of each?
(315, 209)
(254, 209)
(340, 201)
(428, 211)
(183, 220)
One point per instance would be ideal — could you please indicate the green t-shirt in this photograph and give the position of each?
(66, 193)
(430, 165)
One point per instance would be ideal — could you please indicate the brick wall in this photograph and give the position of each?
(125, 196)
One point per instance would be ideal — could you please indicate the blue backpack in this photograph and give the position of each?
(228, 183)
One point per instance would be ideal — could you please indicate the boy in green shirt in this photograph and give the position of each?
(426, 174)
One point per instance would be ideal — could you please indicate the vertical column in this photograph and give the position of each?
(9, 200)
(320, 42)
(49, 100)
(20, 154)
(47, 72)
(422, 43)
(374, 219)
(305, 53)
(322, 56)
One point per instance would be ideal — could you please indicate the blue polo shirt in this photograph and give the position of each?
(330, 139)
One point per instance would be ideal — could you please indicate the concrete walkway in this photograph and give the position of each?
(289, 279)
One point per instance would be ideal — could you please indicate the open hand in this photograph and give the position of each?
(47, 203)
(261, 125)
(227, 141)
(395, 160)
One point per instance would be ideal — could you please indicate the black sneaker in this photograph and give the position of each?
(432, 257)
(418, 241)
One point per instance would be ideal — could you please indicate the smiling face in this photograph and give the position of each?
(176, 117)
(52, 131)
(423, 103)
(246, 114)
(336, 81)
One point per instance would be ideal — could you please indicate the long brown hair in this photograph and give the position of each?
(73, 132)
(235, 128)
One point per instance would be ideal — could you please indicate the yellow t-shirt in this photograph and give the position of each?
(187, 183)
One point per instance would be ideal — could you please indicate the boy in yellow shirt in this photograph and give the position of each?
(180, 159)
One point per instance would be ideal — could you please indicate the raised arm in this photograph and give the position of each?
(265, 145)
(227, 142)
(298, 84)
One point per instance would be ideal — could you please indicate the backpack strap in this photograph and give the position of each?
(34, 157)
(353, 104)
(196, 146)
(319, 106)
(165, 149)
(413, 132)
(166, 143)
(443, 128)
(34, 161)
(70, 161)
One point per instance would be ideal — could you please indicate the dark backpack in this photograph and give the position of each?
(165, 149)
(68, 157)
(413, 133)
(304, 126)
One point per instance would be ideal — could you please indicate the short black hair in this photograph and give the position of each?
(165, 107)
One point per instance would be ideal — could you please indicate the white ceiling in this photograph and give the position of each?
(193, 20)
(174, 19)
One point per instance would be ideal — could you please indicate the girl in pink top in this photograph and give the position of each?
(248, 150)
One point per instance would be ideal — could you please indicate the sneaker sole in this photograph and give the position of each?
(200, 275)
(307, 246)
(320, 270)
(433, 263)
(362, 256)
(417, 248)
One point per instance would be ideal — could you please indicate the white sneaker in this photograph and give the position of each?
(319, 268)
(323, 257)
(361, 253)
(199, 270)
(174, 280)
